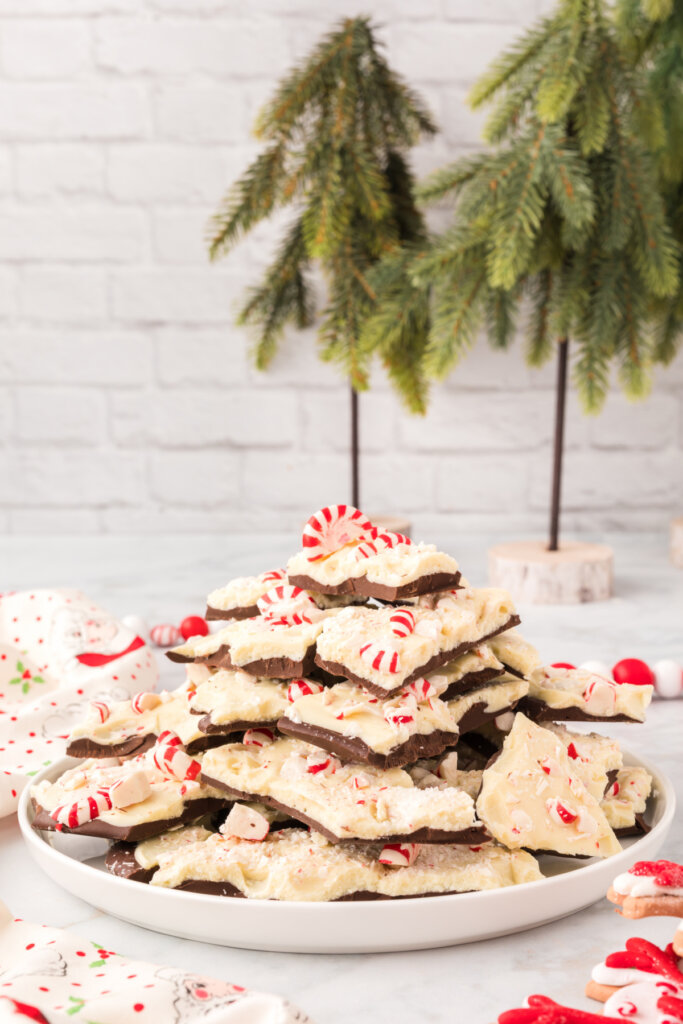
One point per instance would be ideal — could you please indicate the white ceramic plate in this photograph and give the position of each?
(384, 926)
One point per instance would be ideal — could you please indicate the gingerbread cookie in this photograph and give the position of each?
(385, 649)
(649, 889)
(343, 553)
(532, 797)
(639, 961)
(563, 695)
(342, 801)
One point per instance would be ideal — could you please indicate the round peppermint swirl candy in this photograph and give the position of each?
(83, 810)
(333, 527)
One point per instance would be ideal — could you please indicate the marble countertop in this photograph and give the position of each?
(165, 578)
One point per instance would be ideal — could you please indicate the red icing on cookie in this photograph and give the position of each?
(645, 956)
(662, 872)
(541, 1010)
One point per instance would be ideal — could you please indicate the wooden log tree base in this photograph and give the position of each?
(677, 542)
(577, 573)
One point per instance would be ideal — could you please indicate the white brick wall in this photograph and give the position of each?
(127, 399)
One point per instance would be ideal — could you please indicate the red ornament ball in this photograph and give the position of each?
(633, 671)
(193, 625)
(562, 664)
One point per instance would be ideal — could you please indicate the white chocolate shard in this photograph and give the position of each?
(532, 797)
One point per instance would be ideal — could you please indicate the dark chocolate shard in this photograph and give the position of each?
(338, 669)
(538, 711)
(133, 833)
(269, 668)
(225, 615)
(120, 861)
(471, 681)
(228, 728)
(86, 747)
(352, 748)
(429, 584)
(471, 836)
(639, 828)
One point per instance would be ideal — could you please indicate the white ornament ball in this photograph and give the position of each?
(599, 668)
(138, 626)
(668, 678)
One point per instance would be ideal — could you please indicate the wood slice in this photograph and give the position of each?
(393, 524)
(577, 573)
(677, 542)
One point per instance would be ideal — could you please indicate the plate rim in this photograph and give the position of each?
(35, 841)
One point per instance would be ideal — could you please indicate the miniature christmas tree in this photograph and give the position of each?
(562, 216)
(336, 134)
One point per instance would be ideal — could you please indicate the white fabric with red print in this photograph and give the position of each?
(59, 653)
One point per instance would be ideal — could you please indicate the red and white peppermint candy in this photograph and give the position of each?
(286, 601)
(100, 709)
(600, 696)
(400, 855)
(258, 737)
(83, 810)
(380, 657)
(131, 789)
(388, 540)
(331, 528)
(322, 763)
(172, 760)
(245, 823)
(273, 576)
(366, 550)
(400, 714)
(560, 813)
(421, 689)
(165, 635)
(302, 688)
(142, 702)
(402, 622)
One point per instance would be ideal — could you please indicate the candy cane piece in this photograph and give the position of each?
(100, 709)
(366, 550)
(302, 688)
(171, 760)
(560, 813)
(245, 823)
(317, 763)
(600, 696)
(274, 576)
(331, 528)
(258, 737)
(132, 789)
(388, 539)
(400, 855)
(142, 702)
(402, 622)
(285, 600)
(379, 657)
(83, 810)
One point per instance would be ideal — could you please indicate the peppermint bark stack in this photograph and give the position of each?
(356, 716)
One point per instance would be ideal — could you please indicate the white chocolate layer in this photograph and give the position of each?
(533, 797)
(168, 798)
(515, 652)
(593, 757)
(476, 660)
(561, 688)
(351, 801)
(465, 618)
(255, 639)
(629, 797)
(244, 592)
(124, 723)
(234, 696)
(349, 710)
(392, 567)
(299, 865)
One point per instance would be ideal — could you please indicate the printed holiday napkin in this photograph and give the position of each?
(50, 976)
(58, 652)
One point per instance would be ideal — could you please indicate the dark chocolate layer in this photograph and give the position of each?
(470, 836)
(639, 828)
(538, 711)
(478, 715)
(216, 614)
(227, 728)
(352, 748)
(120, 861)
(87, 747)
(133, 833)
(338, 669)
(270, 668)
(470, 681)
(429, 584)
